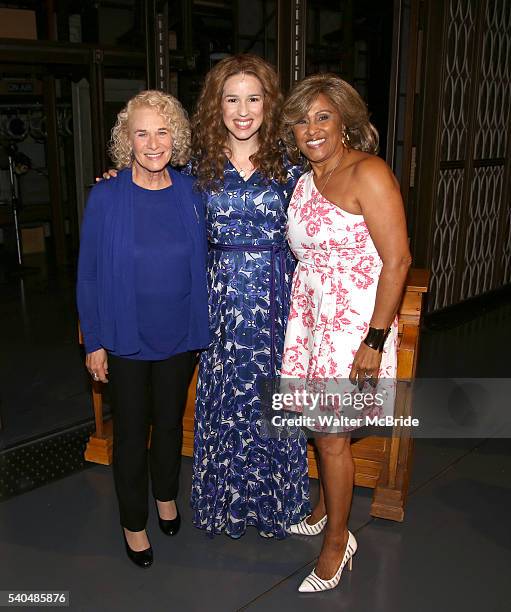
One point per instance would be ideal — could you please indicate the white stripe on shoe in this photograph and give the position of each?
(303, 528)
(313, 583)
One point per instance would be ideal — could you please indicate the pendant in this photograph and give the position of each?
(242, 173)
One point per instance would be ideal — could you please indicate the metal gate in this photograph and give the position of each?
(461, 204)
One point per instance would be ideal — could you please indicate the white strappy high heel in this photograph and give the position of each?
(314, 584)
(303, 527)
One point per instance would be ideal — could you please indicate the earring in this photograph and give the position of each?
(345, 138)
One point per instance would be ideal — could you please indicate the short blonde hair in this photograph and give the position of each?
(359, 132)
(175, 117)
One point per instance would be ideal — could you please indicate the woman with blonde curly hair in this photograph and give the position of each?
(142, 299)
(241, 475)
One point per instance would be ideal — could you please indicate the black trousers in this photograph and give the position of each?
(147, 393)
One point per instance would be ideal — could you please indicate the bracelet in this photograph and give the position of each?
(375, 338)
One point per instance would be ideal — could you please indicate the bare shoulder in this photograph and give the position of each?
(371, 166)
(372, 171)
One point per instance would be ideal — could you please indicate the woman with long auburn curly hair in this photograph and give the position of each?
(211, 140)
(241, 475)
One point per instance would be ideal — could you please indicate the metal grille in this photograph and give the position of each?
(481, 237)
(506, 254)
(445, 237)
(32, 465)
(494, 90)
(471, 254)
(457, 80)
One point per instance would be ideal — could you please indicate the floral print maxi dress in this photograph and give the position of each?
(240, 476)
(333, 294)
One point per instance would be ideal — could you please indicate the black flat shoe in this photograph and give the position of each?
(169, 526)
(142, 558)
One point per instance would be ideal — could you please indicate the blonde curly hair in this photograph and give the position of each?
(175, 117)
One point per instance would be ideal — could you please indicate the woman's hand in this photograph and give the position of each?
(112, 173)
(97, 364)
(366, 366)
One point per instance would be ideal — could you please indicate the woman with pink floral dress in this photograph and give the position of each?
(334, 289)
(347, 229)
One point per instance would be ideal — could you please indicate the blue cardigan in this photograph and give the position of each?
(106, 266)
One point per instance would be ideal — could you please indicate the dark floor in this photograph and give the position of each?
(452, 553)
(43, 383)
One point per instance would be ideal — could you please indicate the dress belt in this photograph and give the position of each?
(277, 251)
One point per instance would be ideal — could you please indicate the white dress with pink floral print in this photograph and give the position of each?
(334, 289)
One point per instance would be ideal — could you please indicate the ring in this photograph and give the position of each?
(95, 376)
(368, 375)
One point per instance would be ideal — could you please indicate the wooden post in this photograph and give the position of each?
(390, 494)
(99, 446)
(384, 464)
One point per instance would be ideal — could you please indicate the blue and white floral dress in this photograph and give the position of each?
(240, 475)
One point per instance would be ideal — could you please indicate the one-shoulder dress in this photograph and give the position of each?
(333, 294)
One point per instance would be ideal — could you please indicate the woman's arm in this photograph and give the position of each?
(382, 207)
(86, 287)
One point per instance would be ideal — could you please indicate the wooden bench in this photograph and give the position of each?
(385, 463)
(380, 463)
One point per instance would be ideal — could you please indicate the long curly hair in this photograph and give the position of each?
(358, 133)
(175, 117)
(210, 140)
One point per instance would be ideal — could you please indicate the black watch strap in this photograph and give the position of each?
(375, 338)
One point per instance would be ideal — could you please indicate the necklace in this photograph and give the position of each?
(239, 168)
(337, 165)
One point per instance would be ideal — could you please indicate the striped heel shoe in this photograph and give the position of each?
(303, 527)
(314, 584)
